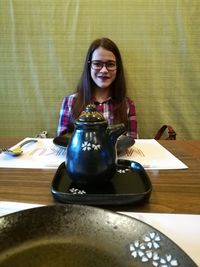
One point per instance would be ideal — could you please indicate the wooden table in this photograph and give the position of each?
(174, 191)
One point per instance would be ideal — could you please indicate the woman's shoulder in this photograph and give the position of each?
(71, 96)
(69, 100)
(129, 101)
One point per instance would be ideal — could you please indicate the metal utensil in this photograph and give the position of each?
(16, 151)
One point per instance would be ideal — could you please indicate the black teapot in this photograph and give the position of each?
(91, 151)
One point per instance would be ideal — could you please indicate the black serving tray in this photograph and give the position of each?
(130, 185)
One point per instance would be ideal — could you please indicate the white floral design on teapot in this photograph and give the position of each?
(88, 146)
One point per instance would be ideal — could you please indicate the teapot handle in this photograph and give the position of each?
(115, 131)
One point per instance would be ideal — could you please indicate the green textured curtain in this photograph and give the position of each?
(43, 44)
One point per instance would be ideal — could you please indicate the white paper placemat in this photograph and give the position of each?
(44, 154)
(152, 155)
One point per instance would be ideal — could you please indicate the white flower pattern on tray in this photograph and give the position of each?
(123, 170)
(146, 251)
(77, 191)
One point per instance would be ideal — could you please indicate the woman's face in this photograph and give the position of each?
(103, 77)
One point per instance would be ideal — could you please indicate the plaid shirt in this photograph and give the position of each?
(65, 117)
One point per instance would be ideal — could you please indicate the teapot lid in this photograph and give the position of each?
(90, 114)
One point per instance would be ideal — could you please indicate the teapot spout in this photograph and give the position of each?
(115, 131)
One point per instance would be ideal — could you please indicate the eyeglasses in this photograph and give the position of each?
(98, 65)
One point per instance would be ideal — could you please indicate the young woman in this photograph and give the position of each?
(102, 83)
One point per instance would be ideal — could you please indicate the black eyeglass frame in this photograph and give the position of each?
(102, 64)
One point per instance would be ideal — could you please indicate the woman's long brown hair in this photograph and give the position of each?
(118, 87)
